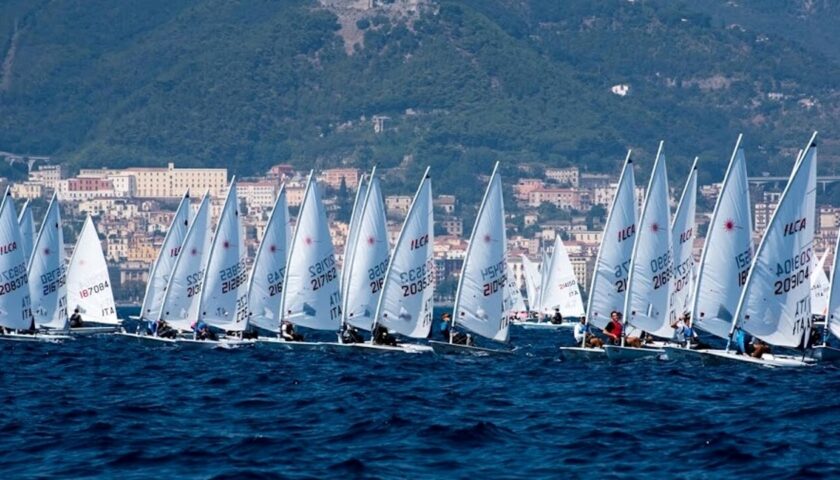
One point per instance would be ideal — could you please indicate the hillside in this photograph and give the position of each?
(462, 84)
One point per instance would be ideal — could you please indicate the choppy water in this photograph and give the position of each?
(107, 407)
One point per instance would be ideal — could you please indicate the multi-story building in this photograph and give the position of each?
(47, 175)
(453, 225)
(446, 203)
(565, 198)
(334, 176)
(761, 216)
(28, 190)
(569, 176)
(257, 195)
(525, 186)
(398, 204)
(171, 182)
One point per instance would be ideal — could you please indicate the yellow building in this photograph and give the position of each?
(171, 182)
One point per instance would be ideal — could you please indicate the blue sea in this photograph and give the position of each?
(107, 407)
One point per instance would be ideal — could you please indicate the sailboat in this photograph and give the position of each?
(647, 304)
(558, 289)
(223, 299)
(514, 304)
(683, 232)
(15, 305)
(367, 264)
(609, 277)
(825, 352)
(531, 275)
(48, 273)
(89, 284)
(179, 307)
(725, 259)
(269, 270)
(775, 303)
(820, 286)
(406, 301)
(480, 297)
(353, 232)
(165, 262)
(27, 229)
(311, 295)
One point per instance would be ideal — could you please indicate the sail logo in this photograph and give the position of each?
(8, 248)
(794, 226)
(626, 233)
(686, 235)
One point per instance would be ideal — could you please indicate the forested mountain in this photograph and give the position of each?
(462, 83)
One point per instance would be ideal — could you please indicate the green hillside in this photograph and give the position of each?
(463, 83)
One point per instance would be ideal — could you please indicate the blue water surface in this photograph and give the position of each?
(107, 407)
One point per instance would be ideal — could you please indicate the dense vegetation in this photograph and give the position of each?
(250, 84)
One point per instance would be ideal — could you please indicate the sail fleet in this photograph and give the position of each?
(645, 270)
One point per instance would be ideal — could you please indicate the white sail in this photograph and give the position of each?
(727, 252)
(545, 261)
(776, 303)
(15, 306)
(269, 268)
(513, 297)
(312, 296)
(682, 236)
(609, 277)
(532, 287)
(165, 262)
(405, 306)
(48, 272)
(480, 298)
(561, 289)
(648, 284)
(819, 286)
(832, 317)
(27, 229)
(353, 233)
(369, 260)
(224, 292)
(180, 301)
(88, 282)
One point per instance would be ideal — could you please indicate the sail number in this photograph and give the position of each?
(418, 279)
(322, 272)
(781, 287)
(376, 275)
(275, 282)
(99, 287)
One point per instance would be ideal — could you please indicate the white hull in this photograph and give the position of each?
(94, 330)
(222, 343)
(274, 342)
(825, 353)
(443, 348)
(767, 360)
(367, 346)
(142, 337)
(683, 354)
(529, 325)
(38, 337)
(618, 353)
(579, 353)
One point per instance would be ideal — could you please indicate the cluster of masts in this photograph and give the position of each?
(645, 282)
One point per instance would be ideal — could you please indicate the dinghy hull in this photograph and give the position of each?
(367, 346)
(143, 338)
(578, 353)
(222, 343)
(36, 338)
(623, 354)
(98, 330)
(682, 354)
(543, 325)
(712, 357)
(443, 348)
(274, 342)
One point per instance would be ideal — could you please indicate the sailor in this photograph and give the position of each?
(350, 334)
(614, 328)
(76, 319)
(557, 319)
(445, 326)
(163, 330)
(583, 335)
(287, 332)
(749, 345)
(203, 332)
(382, 337)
